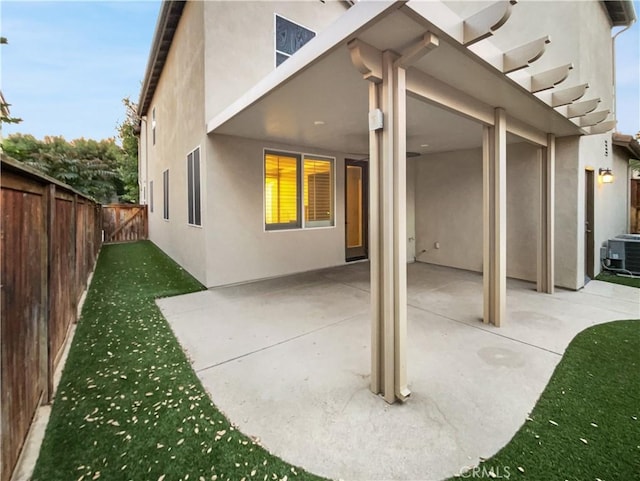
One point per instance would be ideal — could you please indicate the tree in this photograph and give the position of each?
(87, 165)
(128, 160)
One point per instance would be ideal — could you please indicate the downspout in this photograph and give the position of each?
(143, 120)
(613, 61)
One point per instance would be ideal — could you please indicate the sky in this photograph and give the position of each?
(68, 65)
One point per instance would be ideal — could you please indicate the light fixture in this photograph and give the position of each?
(318, 122)
(606, 176)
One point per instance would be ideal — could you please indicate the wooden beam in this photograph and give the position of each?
(582, 108)
(603, 127)
(367, 60)
(524, 55)
(417, 50)
(483, 23)
(568, 95)
(546, 231)
(593, 118)
(550, 78)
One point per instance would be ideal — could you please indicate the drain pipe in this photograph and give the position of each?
(614, 105)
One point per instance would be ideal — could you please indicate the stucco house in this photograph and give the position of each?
(283, 137)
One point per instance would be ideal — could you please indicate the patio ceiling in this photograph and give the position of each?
(319, 99)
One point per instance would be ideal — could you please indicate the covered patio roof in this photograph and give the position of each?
(318, 98)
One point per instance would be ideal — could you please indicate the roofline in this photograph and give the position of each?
(622, 13)
(628, 142)
(168, 19)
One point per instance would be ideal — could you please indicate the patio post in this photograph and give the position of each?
(546, 232)
(494, 153)
(387, 231)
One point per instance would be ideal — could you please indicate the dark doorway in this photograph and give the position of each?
(589, 187)
(356, 209)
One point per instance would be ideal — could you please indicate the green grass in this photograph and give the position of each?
(625, 281)
(586, 424)
(129, 406)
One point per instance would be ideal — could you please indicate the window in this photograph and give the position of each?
(153, 126)
(193, 187)
(290, 37)
(151, 195)
(165, 194)
(296, 184)
(318, 192)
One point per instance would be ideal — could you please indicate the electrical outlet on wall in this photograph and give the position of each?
(436, 245)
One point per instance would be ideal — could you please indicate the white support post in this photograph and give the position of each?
(495, 219)
(387, 234)
(374, 246)
(546, 236)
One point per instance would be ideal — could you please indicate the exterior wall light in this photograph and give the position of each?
(606, 176)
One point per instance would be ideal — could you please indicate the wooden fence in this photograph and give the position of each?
(49, 240)
(635, 206)
(124, 222)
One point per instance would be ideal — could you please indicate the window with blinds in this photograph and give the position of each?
(193, 188)
(281, 179)
(165, 194)
(151, 196)
(318, 192)
(294, 184)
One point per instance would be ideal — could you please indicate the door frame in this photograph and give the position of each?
(589, 221)
(364, 165)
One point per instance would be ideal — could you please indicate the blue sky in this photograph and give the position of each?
(68, 65)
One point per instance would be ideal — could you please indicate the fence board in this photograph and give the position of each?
(124, 222)
(22, 312)
(49, 239)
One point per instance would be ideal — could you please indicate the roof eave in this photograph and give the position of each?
(621, 12)
(168, 19)
(628, 142)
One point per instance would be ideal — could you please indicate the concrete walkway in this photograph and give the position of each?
(288, 360)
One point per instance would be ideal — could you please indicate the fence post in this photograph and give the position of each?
(46, 361)
(74, 281)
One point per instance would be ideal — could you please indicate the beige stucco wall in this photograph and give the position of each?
(240, 42)
(179, 104)
(240, 248)
(449, 209)
(611, 201)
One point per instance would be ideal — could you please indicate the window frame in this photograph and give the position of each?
(153, 126)
(151, 196)
(165, 194)
(191, 202)
(275, 32)
(301, 225)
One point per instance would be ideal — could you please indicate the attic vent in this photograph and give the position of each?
(606, 148)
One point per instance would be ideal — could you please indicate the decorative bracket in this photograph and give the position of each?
(582, 108)
(550, 78)
(415, 52)
(603, 127)
(367, 59)
(566, 96)
(521, 57)
(593, 118)
(483, 23)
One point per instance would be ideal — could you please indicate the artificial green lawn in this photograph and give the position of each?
(625, 281)
(129, 406)
(586, 424)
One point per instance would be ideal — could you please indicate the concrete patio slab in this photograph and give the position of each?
(288, 360)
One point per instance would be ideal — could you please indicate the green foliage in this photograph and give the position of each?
(128, 162)
(89, 166)
(129, 405)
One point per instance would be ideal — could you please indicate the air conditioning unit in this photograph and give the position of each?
(623, 253)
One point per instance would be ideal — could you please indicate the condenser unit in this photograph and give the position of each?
(623, 253)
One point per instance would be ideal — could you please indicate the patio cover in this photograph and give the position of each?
(439, 87)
